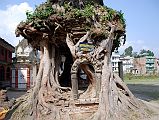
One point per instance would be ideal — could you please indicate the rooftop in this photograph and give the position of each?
(6, 44)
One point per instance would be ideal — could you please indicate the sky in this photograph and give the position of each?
(142, 19)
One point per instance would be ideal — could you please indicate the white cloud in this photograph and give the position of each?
(10, 18)
(139, 42)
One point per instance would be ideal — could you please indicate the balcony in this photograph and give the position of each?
(150, 61)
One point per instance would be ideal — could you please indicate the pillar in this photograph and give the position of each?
(28, 78)
(120, 68)
(16, 78)
(74, 81)
(98, 75)
(34, 74)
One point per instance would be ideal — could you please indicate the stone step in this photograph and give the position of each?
(87, 101)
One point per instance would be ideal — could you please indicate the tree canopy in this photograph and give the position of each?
(144, 52)
(92, 16)
(128, 51)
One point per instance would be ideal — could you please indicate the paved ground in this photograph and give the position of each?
(147, 92)
(15, 93)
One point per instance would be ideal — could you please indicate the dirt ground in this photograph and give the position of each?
(147, 92)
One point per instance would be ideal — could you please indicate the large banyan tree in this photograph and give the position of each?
(75, 79)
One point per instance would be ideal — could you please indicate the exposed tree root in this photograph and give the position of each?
(120, 106)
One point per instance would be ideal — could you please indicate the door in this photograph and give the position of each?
(22, 78)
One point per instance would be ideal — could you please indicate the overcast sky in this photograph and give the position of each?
(142, 18)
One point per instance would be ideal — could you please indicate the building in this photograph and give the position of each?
(127, 64)
(115, 59)
(6, 51)
(25, 62)
(157, 66)
(144, 65)
(139, 66)
(150, 65)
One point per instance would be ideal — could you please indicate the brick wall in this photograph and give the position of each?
(140, 65)
(5, 55)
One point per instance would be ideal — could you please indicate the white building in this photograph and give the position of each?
(25, 66)
(115, 59)
(127, 64)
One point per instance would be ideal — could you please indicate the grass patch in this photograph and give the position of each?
(131, 79)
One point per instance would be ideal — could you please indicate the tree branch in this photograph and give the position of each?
(73, 47)
(83, 39)
(113, 28)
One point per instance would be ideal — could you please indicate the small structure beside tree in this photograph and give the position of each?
(24, 64)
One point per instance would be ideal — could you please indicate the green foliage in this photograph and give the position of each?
(129, 77)
(116, 43)
(90, 11)
(67, 7)
(128, 51)
(41, 12)
(121, 18)
(87, 11)
(144, 52)
(150, 53)
(111, 14)
(135, 54)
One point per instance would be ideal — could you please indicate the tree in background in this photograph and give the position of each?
(128, 51)
(134, 54)
(144, 52)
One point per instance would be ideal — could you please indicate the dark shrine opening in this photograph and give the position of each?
(65, 67)
(84, 76)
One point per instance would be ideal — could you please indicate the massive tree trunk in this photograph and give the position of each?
(90, 40)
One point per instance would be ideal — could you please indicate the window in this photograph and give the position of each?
(10, 55)
(2, 51)
(8, 73)
(2, 73)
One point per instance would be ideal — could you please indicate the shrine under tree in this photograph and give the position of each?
(76, 37)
